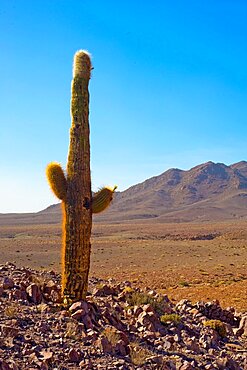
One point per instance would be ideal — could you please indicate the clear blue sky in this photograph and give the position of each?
(168, 89)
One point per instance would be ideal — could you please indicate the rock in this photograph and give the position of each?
(18, 294)
(166, 344)
(7, 283)
(14, 366)
(75, 355)
(212, 352)
(46, 354)
(137, 311)
(4, 365)
(242, 329)
(80, 305)
(49, 286)
(212, 310)
(55, 296)
(177, 338)
(157, 359)
(148, 308)
(48, 335)
(34, 294)
(8, 331)
(105, 345)
(77, 315)
(186, 366)
(87, 322)
(121, 348)
(229, 331)
(149, 336)
(143, 319)
(91, 335)
(193, 345)
(225, 363)
(105, 290)
(44, 365)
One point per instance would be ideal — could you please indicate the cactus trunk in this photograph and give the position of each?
(75, 189)
(77, 210)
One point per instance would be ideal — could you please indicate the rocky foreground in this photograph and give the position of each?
(118, 327)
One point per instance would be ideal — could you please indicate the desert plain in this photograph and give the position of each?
(196, 261)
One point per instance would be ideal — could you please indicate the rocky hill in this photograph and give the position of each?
(207, 192)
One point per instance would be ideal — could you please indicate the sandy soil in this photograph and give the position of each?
(193, 261)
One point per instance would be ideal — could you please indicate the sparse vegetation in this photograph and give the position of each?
(72, 330)
(111, 243)
(217, 325)
(170, 318)
(98, 331)
(128, 290)
(11, 310)
(139, 354)
(141, 298)
(184, 283)
(111, 334)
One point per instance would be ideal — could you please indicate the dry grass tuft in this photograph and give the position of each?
(111, 334)
(141, 298)
(139, 354)
(170, 318)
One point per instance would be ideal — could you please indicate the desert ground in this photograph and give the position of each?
(194, 261)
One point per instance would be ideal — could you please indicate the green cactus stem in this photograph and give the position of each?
(75, 189)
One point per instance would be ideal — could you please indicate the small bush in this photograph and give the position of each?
(72, 331)
(217, 325)
(11, 311)
(128, 290)
(173, 318)
(111, 334)
(138, 354)
(184, 283)
(140, 299)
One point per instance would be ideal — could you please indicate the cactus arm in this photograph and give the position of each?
(57, 180)
(102, 199)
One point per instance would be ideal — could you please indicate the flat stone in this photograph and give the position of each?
(80, 305)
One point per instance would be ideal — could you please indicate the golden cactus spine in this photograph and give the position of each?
(75, 189)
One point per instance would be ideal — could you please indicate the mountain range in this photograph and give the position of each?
(207, 192)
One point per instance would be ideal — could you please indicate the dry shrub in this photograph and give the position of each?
(139, 354)
(11, 310)
(72, 330)
(140, 299)
(111, 334)
(217, 325)
(170, 318)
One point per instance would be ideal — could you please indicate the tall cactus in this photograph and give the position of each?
(75, 189)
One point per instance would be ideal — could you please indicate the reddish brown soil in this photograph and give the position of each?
(194, 261)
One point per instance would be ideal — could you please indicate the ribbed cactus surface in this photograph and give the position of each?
(74, 189)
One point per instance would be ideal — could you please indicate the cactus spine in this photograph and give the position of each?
(75, 189)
